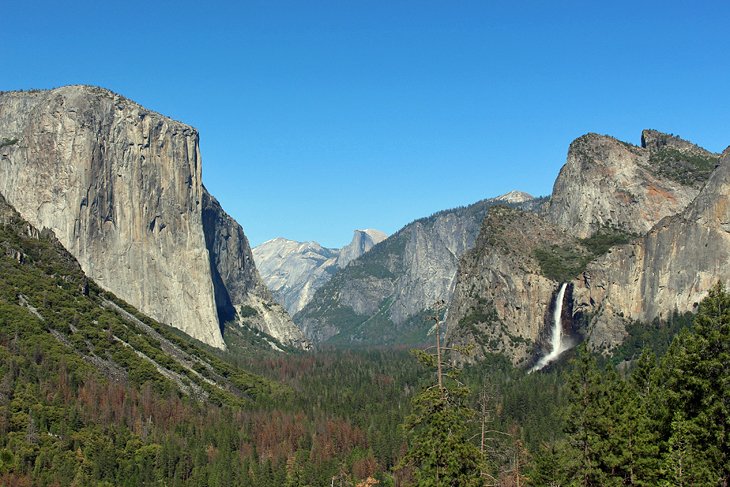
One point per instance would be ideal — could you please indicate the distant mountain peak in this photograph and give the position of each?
(374, 234)
(294, 270)
(362, 241)
(515, 197)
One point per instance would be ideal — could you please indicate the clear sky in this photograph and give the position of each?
(319, 117)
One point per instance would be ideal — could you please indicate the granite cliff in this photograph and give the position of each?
(241, 295)
(295, 270)
(502, 299)
(636, 232)
(607, 182)
(120, 187)
(668, 269)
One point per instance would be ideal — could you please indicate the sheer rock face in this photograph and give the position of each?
(430, 261)
(501, 300)
(382, 294)
(606, 182)
(120, 186)
(362, 241)
(238, 286)
(295, 270)
(670, 268)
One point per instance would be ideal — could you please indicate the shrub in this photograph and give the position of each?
(8, 142)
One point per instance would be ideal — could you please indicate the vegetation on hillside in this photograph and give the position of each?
(94, 393)
(563, 263)
(688, 168)
(666, 423)
(385, 261)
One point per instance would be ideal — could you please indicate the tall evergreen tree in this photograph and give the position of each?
(697, 390)
(440, 448)
(685, 464)
(439, 444)
(593, 423)
(638, 428)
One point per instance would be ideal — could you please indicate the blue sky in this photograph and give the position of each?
(319, 117)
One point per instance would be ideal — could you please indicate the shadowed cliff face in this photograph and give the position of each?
(120, 186)
(234, 273)
(236, 281)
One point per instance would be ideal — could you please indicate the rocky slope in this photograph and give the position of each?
(67, 318)
(627, 227)
(120, 186)
(295, 270)
(385, 295)
(607, 182)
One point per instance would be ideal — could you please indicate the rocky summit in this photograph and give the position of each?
(668, 269)
(295, 270)
(120, 187)
(608, 183)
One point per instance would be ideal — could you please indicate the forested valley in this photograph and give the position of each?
(93, 393)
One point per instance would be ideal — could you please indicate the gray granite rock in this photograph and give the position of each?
(669, 269)
(672, 195)
(382, 297)
(606, 182)
(241, 295)
(120, 186)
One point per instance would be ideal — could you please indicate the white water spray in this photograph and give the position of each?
(556, 340)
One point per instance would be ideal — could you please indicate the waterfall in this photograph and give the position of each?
(556, 339)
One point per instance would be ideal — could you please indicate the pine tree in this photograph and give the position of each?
(440, 448)
(697, 389)
(592, 423)
(641, 455)
(685, 465)
(551, 465)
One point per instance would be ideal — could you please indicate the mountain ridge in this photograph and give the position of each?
(386, 294)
